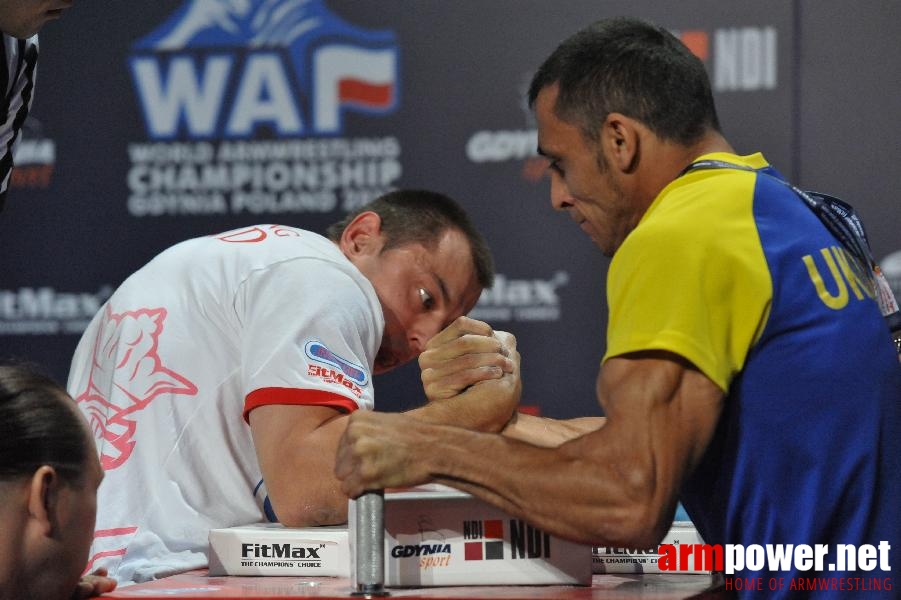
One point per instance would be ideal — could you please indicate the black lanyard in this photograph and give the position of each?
(838, 216)
(842, 221)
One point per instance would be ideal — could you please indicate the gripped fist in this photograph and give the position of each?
(465, 353)
(377, 451)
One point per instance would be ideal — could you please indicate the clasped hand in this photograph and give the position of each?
(470, 375)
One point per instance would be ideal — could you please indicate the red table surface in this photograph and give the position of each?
(197, 584)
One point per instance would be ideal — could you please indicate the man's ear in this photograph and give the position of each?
(363, 235)
(43, 498)
(621, 142)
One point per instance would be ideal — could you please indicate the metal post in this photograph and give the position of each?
(369, 515)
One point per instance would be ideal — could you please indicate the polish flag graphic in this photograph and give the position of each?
(352, 76)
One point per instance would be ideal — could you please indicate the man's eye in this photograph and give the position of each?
(427, 301)
(554, 166)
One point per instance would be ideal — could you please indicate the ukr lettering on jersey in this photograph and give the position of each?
(838, 281)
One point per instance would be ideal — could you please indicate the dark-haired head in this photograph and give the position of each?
(631, 67)
(49, 474)
(426, 263)
(421, 216)
(39, 425)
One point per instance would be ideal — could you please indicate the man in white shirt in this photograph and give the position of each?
(217, 379)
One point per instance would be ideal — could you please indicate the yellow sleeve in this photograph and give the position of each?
(692, 279)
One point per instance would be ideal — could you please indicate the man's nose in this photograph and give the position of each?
(560, 196)
(417, 345)
(427, 328)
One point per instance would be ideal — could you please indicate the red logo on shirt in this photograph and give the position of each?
(126, 374)
(333, 376)
(252, 235)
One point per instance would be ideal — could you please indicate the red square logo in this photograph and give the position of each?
(494, 529)
(472, 551)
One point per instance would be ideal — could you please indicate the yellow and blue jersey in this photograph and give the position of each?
(729, 269)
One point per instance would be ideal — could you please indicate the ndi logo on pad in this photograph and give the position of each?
(317, 351)
(485, 540)
(490, 536)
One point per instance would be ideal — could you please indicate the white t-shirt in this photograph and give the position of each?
(167, 370)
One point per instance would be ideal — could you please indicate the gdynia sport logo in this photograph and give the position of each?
(807, 567)
(225, 69)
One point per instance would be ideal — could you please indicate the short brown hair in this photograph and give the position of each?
(421, 216)
(633, 67)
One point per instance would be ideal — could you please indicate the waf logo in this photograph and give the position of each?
(245, 103)
(126, 375)
(317, 351)
(289, 68)
(488, 540)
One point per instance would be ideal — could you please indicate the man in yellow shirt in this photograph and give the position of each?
(748, 373)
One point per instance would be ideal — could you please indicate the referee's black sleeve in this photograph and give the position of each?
(20, 58)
